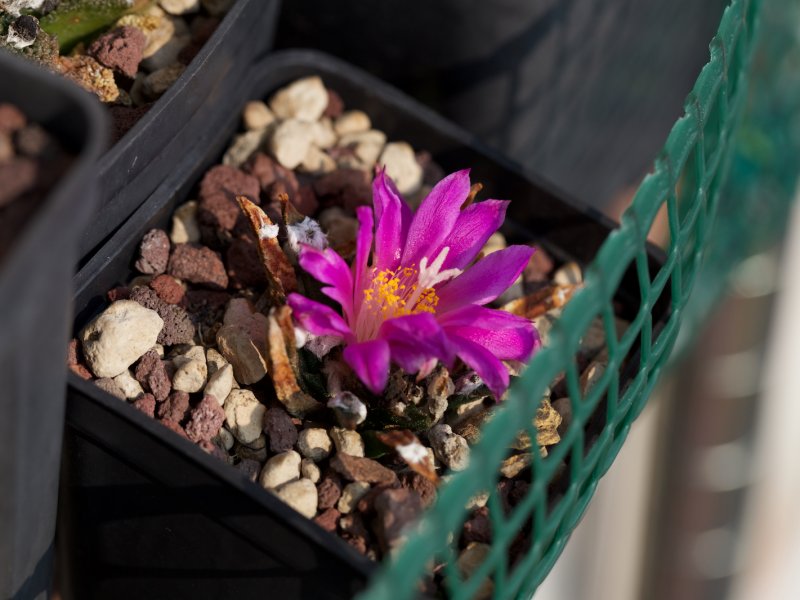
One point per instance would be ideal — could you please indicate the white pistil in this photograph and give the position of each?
(431, 275)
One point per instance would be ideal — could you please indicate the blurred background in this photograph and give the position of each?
(702, 502)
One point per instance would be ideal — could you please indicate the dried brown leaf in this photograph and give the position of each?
(411, 451)
(280, 272)
(296, 401)
(541, 301)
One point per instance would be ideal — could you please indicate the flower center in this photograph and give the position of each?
(400, 292)
(397, 293)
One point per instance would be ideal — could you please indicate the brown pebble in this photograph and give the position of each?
(478, 528)
(17, 176)
(420, 484)
(329, 490)
(218, 190)
(355, 468)
(175, 407)
(118, 293)
(168, 289)
(152, 373)
(153, 253)
(335, 105)
(396, 509)
(178, 327)
(147, 404)
(328, 519)
(206, 419)
(281, 431)
(81, 371)
(120, 49)
(11, 118)
(73, 351)
(176, 427)
(539, 267)
(198, 264)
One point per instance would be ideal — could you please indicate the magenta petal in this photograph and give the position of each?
(415, 339)
(485, 280)
(435, 217)
(474, 227)
(328, 267)
(507, 336)
(393, 217)
(493, 372)
(370, 361)
(363, 246)
(318, 318)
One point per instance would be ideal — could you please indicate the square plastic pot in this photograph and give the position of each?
(138, 163)
(36, 296)
(146, 514)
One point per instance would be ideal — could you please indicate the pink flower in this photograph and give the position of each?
(419, 300)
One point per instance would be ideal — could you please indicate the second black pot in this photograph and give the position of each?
(142, 159)
(146, 514)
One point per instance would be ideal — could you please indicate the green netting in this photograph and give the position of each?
(686, 178)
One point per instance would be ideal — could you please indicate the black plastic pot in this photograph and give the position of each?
(36, 298)
(137, 164)
(146, 514)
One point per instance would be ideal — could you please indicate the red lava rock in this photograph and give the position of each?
(11, 118)
(328, 519)
(251, 468)
(178, 327)
(354, 532)
(175, 407)
(271, 173)
(146, 404)
(153, 253)
(118, 293)
(120, 49)
(176, 427)
(356, 468)
(396, 508)
(335, 105)
(245, 268)
(539, 267)
(123, 118)
(280, 429)
(198, 264)
(81, 371)
(420, 484)
(73, 351)
(168, 289)
(329, 490)
(152, 373)
(347, 188)
(17, 176)
(218, 190)
(206, 419)
(478, 528)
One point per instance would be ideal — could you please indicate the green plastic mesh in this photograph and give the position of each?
(686, 179)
